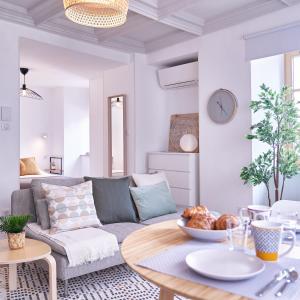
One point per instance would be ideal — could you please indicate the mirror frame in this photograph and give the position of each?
(124, 134)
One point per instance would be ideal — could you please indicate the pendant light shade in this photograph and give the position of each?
(97, 13)
(24, 91)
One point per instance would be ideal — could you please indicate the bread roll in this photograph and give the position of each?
(226, 220)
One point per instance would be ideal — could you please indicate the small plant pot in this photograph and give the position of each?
(16, 240)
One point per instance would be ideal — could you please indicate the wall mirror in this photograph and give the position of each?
(117, 141)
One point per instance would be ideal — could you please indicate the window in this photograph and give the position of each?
(292, 73)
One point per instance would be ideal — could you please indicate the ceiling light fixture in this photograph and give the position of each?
(97, 13)
(24, 91)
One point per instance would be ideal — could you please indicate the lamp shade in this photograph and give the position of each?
(188, 143)
(97, 13)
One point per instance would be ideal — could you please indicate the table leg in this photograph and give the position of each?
(12, 277)
(52, 277)
(165, 294)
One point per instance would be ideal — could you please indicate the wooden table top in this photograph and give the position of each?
(33, 250)
(153, 239)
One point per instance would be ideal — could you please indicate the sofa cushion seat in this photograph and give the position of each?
(164, 218)
(122, 230)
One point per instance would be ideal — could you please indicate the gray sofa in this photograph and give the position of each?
(22, 202)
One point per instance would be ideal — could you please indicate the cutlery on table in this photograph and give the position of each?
(278, 277)
(292, 277)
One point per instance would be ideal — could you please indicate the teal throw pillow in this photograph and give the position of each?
(153, 200)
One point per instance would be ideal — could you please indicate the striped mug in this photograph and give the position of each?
(267, 239)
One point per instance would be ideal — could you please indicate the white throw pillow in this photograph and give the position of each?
(71, 207)
(150, 179)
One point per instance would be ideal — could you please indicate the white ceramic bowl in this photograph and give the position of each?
(200, 234)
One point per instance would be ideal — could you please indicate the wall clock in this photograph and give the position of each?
(222, 106)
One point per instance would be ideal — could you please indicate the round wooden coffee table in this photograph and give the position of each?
(153, 239)
(33, 250)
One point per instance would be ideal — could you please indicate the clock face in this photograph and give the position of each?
(222, 106)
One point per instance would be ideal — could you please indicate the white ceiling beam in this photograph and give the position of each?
(174, 7)
(183, 25)
(15, 13)
(135, 21)
(149, 11)
(289, 2)
(167, 40)
(125, 44)
(243, 14)
(46, 10)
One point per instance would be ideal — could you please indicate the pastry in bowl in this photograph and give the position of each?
(226, 221)
(200, 223)
(205, 222)
(197, 210)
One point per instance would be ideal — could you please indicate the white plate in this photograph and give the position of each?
(223, 264)
(200, 234)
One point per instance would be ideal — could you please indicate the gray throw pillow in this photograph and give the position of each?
(38, 192)
(112, 200)
(153, 200)
(42, 212)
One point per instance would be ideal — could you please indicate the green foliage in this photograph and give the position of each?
(280, 130)
(13, 224)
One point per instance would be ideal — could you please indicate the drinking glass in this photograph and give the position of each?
(237, 237)
(289, 220)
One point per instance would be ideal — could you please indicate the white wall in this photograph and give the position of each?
(76, 129)
(9, 140)
(9, 74)
(149, 109)
(64, 116)
(223, 148)
(34, 122)
(154, 107)
(56, 123)
(118, 81)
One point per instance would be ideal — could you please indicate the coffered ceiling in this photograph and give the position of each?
(151, 25)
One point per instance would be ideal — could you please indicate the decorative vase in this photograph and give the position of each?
(16, 240)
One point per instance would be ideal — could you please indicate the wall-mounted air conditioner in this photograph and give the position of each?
(179, 76)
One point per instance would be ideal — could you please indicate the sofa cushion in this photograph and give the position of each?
(42, 211)
(22, 203)
(30, 166)
(153, 201)
(150, 179)
(122, 230)
(112, 200)
(71, 207)
(39, 193)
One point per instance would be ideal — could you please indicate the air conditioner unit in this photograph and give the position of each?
(179, 76)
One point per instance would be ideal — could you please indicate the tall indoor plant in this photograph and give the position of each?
(279, 129)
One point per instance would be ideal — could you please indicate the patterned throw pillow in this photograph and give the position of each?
(71, 207)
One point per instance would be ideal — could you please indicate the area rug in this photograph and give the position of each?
(116, 283)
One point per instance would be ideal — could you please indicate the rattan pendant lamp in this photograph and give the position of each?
(97, 13)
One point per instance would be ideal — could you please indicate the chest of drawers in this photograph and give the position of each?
(182, 171)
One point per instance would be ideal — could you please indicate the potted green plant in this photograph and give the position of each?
(14, 227)
(279, 129)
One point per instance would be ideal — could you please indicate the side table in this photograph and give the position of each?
(33, 250)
